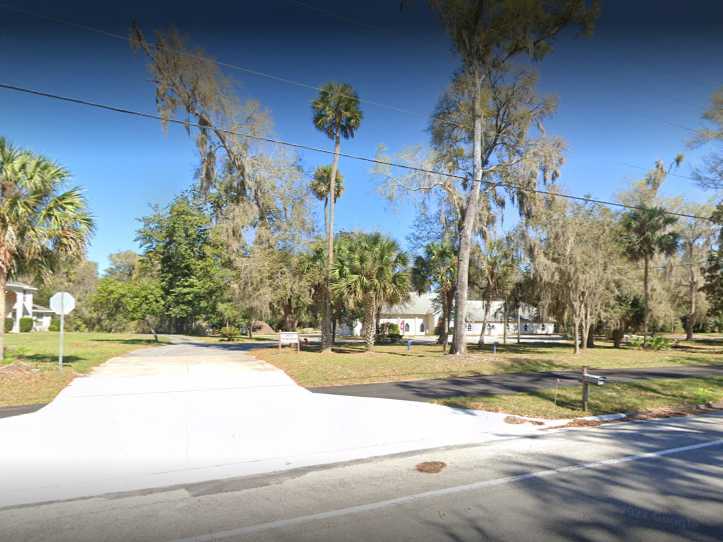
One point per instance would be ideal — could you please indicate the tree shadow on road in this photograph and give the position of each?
(676, 496)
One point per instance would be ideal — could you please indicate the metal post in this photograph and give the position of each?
(585, 389)
(60, 349)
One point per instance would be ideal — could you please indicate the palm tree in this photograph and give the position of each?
(370, 273)
(337, 114)
(646, 232)
(437, 268)
(38, 224)
(320, 186)
(496, 269)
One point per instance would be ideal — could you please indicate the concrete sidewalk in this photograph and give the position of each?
(190, 413)
(444, 388)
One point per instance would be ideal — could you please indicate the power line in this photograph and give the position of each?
(126, 111)
(228, 65)
(669, 173)
(250, 71)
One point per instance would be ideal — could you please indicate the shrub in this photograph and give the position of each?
(389, 328)
(26, 324)
(8, 325)
(229, 332)
(54, 324)
(654, 343)
(381, 338)
(660, 343)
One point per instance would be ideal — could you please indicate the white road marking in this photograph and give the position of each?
(281, 523)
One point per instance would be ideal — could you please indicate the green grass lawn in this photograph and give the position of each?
(29, 373)
(350, 364)
(677, 395)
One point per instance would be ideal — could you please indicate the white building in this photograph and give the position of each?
(421, 315)
(19, 301)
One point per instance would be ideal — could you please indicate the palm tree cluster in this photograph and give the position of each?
(647, 232)
(39, 223)
(370, 271)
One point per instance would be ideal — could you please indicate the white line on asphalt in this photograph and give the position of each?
(281, 523)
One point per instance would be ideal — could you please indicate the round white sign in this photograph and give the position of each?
(62, 303)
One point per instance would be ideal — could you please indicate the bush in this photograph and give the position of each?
(54, 324)
(381, 338)
(389, 328)
(654, 343)
(8, 325)
(229, 332)
(26, 324)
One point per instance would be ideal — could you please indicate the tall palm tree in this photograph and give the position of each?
(646, 232)
(437, 268)
(38, 223)
(370, 273)
(496, 268)
(320, 186)
(336, 112)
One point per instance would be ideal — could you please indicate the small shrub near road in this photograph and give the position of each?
(229, 332)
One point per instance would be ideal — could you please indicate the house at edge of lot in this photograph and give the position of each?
(19, 303)
(420, 315)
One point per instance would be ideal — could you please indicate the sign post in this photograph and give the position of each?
(62, 303)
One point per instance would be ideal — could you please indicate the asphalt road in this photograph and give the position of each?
(654, 481)
(442, 388)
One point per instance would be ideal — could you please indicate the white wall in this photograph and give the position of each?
(496, 329)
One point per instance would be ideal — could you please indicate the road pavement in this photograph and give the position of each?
(443, 388)
(191, 412)
(648, 481)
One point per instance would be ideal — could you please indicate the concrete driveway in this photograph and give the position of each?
(190, 412)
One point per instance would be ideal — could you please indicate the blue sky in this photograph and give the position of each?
(628, 95)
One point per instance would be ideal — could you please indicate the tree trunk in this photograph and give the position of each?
(585, 328)
(618, 334)
(646, 311)
(485, 319)
(577, 335)
(370, 331)
(442, 339)
(149, 324)
(327, 340)
(470, 216)
(333, 330)
(590, 343)
(519, 324)
(504, 328)
(3, 282)
(691, 313)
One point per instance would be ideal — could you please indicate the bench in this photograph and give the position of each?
(289, 338)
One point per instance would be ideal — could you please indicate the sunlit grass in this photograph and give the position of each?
(350, 364)
(634, 397)
(29, 373)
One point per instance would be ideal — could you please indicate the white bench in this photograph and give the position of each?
(289, 338)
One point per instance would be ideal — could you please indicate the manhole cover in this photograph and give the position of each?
(431, 467)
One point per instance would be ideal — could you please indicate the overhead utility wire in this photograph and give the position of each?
(669, 173)
(228, 65)
(219, 62)
(325, 151)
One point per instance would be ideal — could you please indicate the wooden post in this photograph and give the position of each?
(585, 389)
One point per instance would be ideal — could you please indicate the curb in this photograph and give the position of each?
(604, 417)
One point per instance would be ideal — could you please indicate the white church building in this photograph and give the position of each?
(420, 315)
